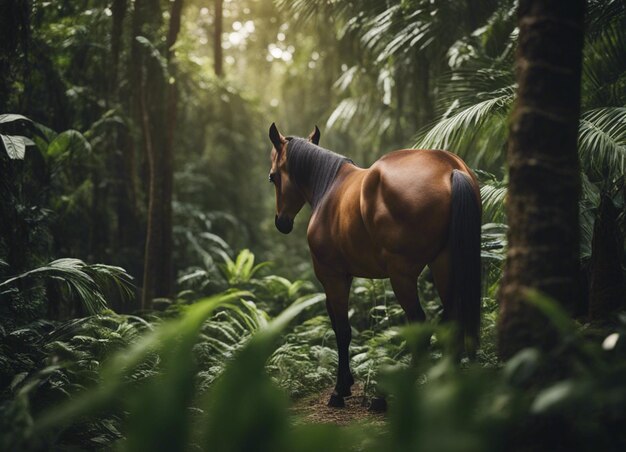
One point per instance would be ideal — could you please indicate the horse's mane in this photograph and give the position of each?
(312, 167)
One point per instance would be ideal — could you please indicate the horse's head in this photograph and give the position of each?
(289, 197)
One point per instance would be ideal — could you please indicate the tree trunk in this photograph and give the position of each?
(159, 123)
(129, 233)
(544, 175)
(607, 291)
(14, 42)
(118, 10)
(217, 39)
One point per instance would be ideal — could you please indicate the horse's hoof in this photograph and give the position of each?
(378, 405)
(347, 392)
(336, 401)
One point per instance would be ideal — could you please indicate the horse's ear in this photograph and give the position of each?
(276, 138)
(315, 136)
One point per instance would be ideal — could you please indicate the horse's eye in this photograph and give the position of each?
(271, 178)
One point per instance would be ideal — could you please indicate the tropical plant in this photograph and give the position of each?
(173, 343)
(14, 145)
(242, 269)
(433, 402)
(88, 283)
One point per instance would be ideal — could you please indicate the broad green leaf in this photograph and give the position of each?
(68, 142)
(15, 145)
(11, 117)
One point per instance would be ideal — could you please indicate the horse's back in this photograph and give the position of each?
(406, 200)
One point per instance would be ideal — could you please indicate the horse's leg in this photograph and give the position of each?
(403, 276)
(337, 290)
(442, 274)
(441, 270)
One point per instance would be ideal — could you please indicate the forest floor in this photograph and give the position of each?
(315, 409)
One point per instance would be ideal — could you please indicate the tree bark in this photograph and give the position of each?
(127, 240)
(14, 45)
(159, 124)
(217, 39)
(607, 290)
(118, 10)
(126, 205)
(544, 175)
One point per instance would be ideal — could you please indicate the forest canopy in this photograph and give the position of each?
(147, 301)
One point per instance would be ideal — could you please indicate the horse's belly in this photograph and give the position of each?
(348, 257)
(366, 263)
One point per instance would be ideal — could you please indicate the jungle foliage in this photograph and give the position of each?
(243, 334)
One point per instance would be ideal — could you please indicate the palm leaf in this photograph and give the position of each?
(602, 141)
(87, 282)
(460, 129)
(493, 194)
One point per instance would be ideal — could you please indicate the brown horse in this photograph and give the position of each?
(410, 209)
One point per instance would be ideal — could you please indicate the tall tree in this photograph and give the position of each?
(218, 60)
(544, 174)
(128, 229)
(158, 99)
(14, 40)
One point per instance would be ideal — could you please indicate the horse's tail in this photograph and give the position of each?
(465, 259)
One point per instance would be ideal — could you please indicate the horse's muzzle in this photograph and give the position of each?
(283, 224)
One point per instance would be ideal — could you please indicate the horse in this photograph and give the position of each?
(410, 209)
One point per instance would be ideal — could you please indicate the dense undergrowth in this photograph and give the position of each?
(217, 370)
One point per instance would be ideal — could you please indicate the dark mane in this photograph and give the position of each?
(312, 167)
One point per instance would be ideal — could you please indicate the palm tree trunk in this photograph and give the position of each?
(544, 175)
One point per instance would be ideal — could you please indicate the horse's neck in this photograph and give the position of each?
(342, 177)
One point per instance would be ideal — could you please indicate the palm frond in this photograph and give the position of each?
(604, 69)
(307, 10)
(493, 241)
(87, 282)
(602, 142)
(493, 194)
(379, 26)
(460, 131)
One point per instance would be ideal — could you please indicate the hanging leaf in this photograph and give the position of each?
(15, 145)
(154, 53)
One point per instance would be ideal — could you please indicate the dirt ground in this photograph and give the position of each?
(315, 409)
